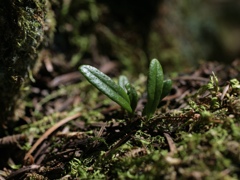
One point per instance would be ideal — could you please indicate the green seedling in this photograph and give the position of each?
(125, 94)
(133, 96)
(154, 87)
(107, 86)
(123, 81)
(130, 90)
(167, 86)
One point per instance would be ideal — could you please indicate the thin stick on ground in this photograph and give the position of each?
(28, 157)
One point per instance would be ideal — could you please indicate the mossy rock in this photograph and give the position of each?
(24, 26)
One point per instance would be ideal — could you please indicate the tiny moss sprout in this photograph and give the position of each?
(125, 94)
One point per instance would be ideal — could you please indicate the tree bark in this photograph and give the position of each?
(22, 33)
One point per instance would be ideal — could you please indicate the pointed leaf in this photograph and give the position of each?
(154, 87)
(107, 86)
(123, 81)
(167, 86)
(133, 96)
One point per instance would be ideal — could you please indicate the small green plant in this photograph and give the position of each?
(125, 94)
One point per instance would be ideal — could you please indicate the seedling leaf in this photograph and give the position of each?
(154, 87)
(133, 96)
(123, 81)
(167, 86)
(107, 86)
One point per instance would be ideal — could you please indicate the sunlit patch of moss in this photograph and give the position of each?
(207, 154)
(79, 170)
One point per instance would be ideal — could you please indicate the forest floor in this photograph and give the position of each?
(72, 131)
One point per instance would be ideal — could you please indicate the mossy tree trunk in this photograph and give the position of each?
(22, 33)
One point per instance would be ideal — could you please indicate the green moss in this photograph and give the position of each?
(22, 30)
